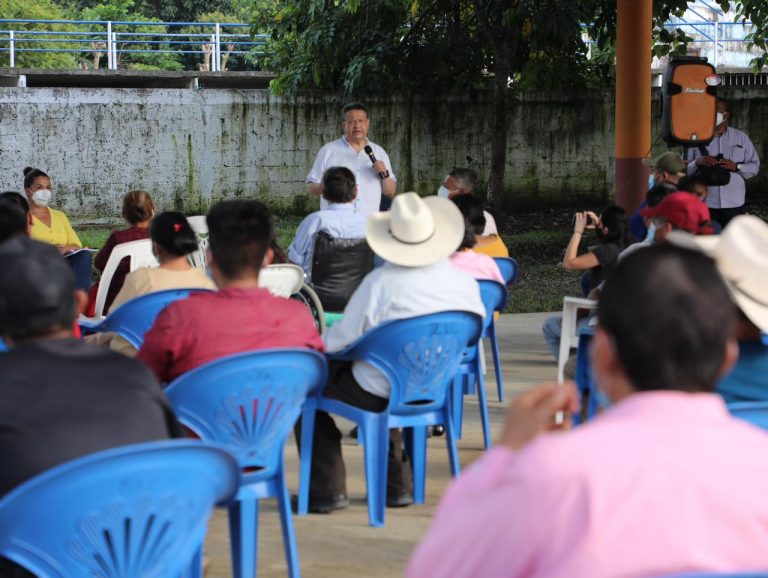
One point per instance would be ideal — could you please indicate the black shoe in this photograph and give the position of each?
(353, 433)
(322, 505)
(401, 501)
(438, 430)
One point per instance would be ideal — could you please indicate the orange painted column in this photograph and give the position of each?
(633, 100)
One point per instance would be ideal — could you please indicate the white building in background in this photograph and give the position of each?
(716, 34)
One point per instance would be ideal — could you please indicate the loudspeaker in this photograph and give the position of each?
(689, 101)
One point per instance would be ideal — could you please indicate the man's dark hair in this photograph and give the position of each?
(466, 177)
(339, 185)
(474, 219)
(240, 232)
(670, 315)
(14, 212)
(172, 232)
(657, 193)
(30, 174)
(688, 183)
(36, 289)
(350, 106)
(725, 102)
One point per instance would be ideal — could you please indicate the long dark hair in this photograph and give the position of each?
(615, 219)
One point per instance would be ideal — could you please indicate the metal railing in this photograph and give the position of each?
(121, 39)
(719, 41)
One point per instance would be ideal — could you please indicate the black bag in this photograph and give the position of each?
(715, 176)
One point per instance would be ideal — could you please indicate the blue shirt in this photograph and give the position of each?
(748, 380)
(339, 220)
(736, 146)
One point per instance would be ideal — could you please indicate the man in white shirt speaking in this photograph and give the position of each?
(367, 160)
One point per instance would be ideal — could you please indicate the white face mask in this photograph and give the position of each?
(651, 232)
(42, 197)
(443, 192)
(719, 118)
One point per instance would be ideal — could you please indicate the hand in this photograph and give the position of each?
(380, 168)
(533, 413)
(706, 161)
(727, 164)
(580, 223)
(64, 249)
(592, 220)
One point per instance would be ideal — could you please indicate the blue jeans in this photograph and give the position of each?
(81, 265)
(553, 327)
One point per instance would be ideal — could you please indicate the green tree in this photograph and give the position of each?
(37, 10)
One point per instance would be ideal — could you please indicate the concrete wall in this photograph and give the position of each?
(191, 147)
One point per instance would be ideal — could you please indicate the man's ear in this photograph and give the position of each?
(269, 256)
(81, 302)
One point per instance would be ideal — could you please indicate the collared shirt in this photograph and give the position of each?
(661, 483)
(736, 146)
(478, 265)
(394, 292)
(340, 220)
(339, 153)
(207, 326)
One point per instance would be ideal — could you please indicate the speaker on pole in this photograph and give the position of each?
(689, 101)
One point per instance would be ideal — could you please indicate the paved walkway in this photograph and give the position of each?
(342, 544)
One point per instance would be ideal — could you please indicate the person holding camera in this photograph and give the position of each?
(727, 162)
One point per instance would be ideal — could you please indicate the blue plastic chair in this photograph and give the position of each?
(132, 319)
(509, 269)
(3, 346)
(470, 375)
(755, 412)
(585, 380)
(139, 510)
(250, 402)
(419, 357)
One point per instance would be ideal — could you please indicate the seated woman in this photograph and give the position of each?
(612, 230)
(138, 211)
(479, 265)
(52, 226)
(172, 240)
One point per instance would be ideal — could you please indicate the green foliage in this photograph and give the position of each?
(37, 10)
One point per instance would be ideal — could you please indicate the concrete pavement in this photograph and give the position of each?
(342, 544)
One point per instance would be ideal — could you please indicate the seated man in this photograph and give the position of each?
(415, 239)
(741, 254)
(63, 398)
(663, 482)
(240, 316)
(339, 219)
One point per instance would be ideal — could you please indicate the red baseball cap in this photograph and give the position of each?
(684, 211)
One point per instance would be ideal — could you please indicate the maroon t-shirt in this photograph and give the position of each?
(207, 326)
(100, 261)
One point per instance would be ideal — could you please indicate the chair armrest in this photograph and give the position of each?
(90, 325)
(580, 302)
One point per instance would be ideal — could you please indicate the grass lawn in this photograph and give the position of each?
(541, 284)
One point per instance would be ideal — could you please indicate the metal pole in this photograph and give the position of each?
(716, 37)
(218, 47)
(212, 54)
(12, 47)
(633, 101)
(114, 51)
(109, 45)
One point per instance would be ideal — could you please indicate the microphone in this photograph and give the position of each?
(369, 151)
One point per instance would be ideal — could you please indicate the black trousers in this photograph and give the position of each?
(723, 216)
(329, 476)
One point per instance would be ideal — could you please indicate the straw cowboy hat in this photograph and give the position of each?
(416, 232)
(741, 254)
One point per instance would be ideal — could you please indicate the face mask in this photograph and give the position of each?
(719, 119)
(651, 232)
(443, 192)
(651, 181)
(42, 197)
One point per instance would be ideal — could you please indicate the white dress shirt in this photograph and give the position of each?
(394, 292)
(339, 153)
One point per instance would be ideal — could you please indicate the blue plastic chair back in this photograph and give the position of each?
(133, 319)
(419, 356)
(139, 510)
(249, 402)
(755, 412)
(494, 296)
(508, 268)
(3, 346)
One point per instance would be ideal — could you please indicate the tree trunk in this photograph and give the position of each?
(498, 137)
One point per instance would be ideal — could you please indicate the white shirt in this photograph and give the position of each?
(339, 153)
(394, 292)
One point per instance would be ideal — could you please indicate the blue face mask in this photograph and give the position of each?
(651, 181)
(651, 232)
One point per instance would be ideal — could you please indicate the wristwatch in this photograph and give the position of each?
(738, 166)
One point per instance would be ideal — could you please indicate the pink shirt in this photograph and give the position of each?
(207, 326)
(478, 265)
(662, 483)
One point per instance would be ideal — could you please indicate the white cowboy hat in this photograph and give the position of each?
(741, 254)
(416, 232)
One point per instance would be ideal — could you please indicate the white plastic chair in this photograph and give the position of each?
(200, 227)
(282, 280)
(140, 255)
(569, 338)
